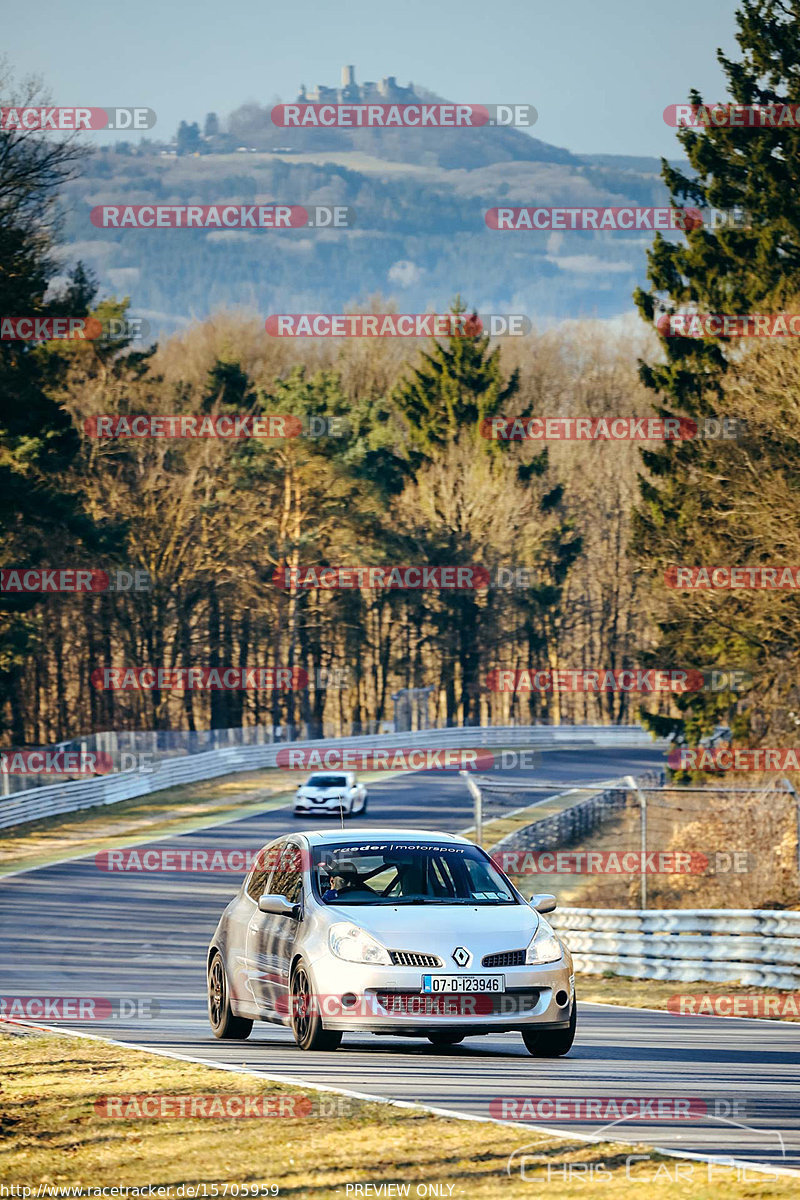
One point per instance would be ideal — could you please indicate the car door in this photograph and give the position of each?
(271, 938)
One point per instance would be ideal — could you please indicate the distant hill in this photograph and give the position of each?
(419, 199)
(448, 148)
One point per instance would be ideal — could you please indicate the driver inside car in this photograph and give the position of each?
(344, 881)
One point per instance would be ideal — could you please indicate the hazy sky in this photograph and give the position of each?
(600, 72)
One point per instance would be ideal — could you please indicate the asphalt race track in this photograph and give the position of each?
(76, 930)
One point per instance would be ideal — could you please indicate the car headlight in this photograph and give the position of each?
(356, 945)
(544, 946)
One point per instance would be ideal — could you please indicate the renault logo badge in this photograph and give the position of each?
(461, 956)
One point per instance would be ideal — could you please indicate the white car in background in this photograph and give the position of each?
(331, 793)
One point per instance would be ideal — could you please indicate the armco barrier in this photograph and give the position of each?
(752, 947)
(37, 803)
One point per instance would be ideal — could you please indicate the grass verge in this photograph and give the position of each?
(52, 1133)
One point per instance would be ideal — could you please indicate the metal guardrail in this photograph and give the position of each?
(53, 800)
(750, 947)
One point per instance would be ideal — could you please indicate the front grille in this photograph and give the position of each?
(508, 958)
(421, 1004)
(410, 958)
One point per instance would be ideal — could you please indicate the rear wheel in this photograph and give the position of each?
(307, 1027)
(224, 1023)
(551, 1043)
(443, 1038)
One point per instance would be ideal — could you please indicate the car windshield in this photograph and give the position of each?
(327, 781)
(385, 872)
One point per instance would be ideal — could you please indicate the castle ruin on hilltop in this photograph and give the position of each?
(386, 91)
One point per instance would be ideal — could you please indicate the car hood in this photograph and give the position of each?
(438, 929)
(324, 792)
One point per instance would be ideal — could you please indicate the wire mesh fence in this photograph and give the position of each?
(645, 843)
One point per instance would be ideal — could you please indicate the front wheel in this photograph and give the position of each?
(224, 1023)
(551, 1043)
(307, 1027)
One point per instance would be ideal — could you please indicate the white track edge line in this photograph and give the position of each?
(451, 1114)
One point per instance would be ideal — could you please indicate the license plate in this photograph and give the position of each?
(463, 983)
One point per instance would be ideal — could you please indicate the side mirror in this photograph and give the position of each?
(543, 902)
(279, 906)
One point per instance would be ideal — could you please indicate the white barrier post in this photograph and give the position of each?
(633, 785)
(475, 792)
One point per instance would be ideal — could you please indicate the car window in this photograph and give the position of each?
(387, 872)
(287, 878)
(257, 883)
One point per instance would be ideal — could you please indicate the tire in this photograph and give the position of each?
(224, 1024)
(551, 1043)
(309, 1032)
(443, 1038)
(363, 809)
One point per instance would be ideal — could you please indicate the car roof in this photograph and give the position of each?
(315, 838)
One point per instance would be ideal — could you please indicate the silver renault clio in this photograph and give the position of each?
(390, 932)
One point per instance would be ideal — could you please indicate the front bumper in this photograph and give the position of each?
(391, 1000)
(329, 808)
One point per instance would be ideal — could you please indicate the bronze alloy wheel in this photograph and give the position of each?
(224, 1024)
(307, 1027)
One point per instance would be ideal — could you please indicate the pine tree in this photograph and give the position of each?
(691, 499)
(458, 385)
(41, 514)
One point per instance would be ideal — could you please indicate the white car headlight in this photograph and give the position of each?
(356, 945)
(544, 946)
